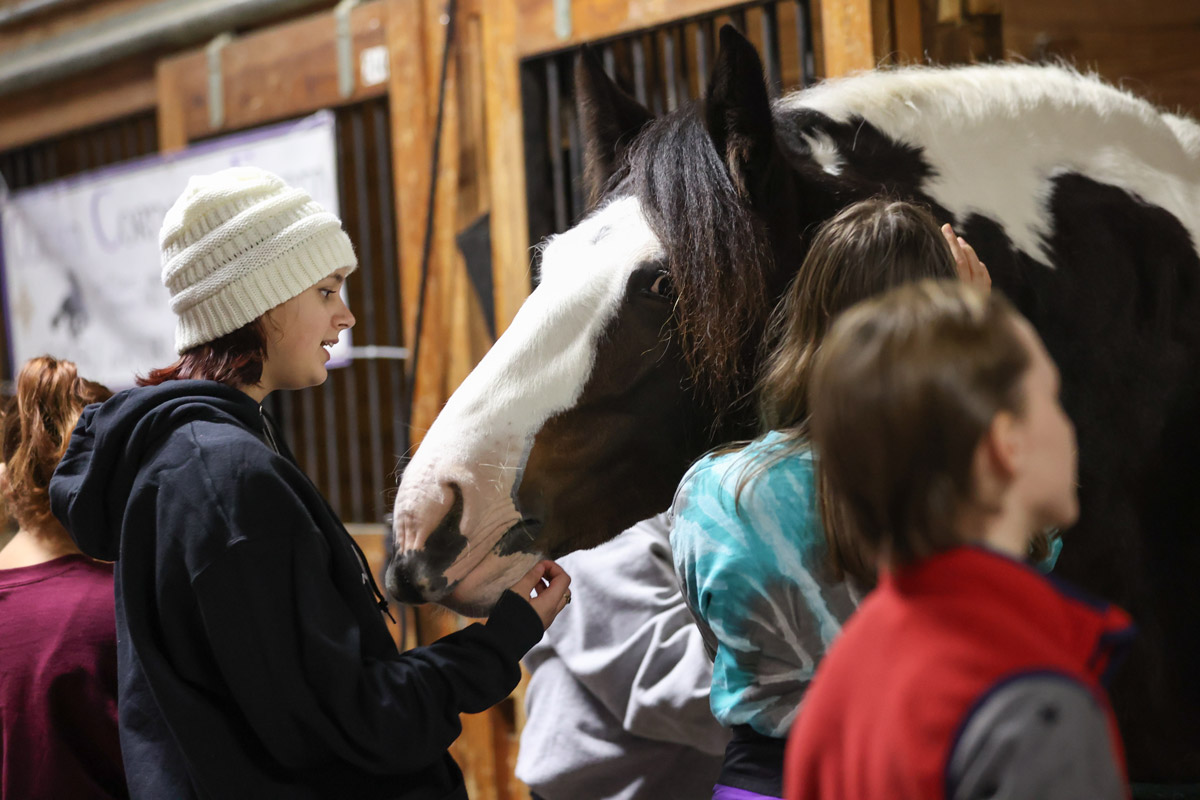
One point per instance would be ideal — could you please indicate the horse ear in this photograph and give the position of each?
(609, 118)
(737, 112)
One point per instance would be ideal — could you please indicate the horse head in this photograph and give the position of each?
(632, 356)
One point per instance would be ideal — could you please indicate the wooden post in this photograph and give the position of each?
(172, 124)
(506, 158)
(847, 36)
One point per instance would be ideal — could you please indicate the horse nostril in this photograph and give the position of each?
(400, 586)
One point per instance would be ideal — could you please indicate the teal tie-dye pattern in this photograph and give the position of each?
(752, 570)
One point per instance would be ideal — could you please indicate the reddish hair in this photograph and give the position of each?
(235, 359)
(35, 427)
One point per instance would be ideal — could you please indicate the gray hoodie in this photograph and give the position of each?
(617, 706)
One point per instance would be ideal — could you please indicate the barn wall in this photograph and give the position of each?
(1148, 46)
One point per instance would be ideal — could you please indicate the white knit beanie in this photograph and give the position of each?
(239, 242)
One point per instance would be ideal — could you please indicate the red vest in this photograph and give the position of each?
(879, 721)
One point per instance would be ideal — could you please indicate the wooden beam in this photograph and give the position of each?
(43, 112)
(848, 39)
(909, 40)
(412, 146)
(506, 160)
(283, 71)
(172, 123)
(535, 23)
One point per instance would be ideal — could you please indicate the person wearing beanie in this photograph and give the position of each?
(253, 658)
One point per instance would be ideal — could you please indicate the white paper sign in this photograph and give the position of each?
(82, 275)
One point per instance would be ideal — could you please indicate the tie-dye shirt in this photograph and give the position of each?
(752, 570)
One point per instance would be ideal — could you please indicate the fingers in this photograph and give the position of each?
(548, 584)
(525, 586)
(966, 260)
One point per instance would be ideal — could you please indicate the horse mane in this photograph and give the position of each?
(718, 253)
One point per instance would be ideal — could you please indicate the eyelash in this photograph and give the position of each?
(327, 293)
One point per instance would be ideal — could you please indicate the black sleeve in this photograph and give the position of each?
(1043, 735)
(288, 647)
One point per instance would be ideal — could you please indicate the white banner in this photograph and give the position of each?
(81, 259)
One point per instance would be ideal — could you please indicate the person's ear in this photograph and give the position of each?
(1002, 445)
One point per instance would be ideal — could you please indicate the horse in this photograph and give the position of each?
(637, 351)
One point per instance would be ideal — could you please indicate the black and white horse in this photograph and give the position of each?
(636, 352)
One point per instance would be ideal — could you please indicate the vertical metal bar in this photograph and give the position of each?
(574, 150)
(610, 61)
(308, 412)
(738, 18)
(99, 151)
(683, 83)
(367, 221)
(554, 126)
(38, 165)
(391, 293)
(333, 488)
(803, 45)
(20, 173)
(114, 141)
(703, 42)
(654, 81)
(770, 36)
(639, 69)
(286, 417)
(668, 65)
(345, 376)
(52, 162)
(129, 134)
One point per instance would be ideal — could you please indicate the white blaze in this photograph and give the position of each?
(538, 368)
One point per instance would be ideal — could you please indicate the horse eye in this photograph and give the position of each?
(662, 285)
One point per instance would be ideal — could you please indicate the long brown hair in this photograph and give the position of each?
(35, 427)
(867, 248)
(902, 392)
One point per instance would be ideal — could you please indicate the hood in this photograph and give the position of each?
(92, 483)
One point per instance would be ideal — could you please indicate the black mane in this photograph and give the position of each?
(718, 252)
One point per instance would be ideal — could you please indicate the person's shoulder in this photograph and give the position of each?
(1036, 734)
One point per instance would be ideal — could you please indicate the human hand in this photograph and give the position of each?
(545, 587)
(970, 268)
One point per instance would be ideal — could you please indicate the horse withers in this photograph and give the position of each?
(637, 351)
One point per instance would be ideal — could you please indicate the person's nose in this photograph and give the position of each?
(346, 318)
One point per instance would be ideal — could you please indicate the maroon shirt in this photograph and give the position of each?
(58, 682)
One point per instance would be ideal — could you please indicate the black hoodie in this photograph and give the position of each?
(253, 658)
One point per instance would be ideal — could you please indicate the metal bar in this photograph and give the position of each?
(668, 64)
(385, 203)
(554, 127)
(639, 69)
(804, 44)
(704, 34)
(770, 35)
(345, 377)
(20, 169)
(129, 131)
(308, 402)
(52, 162)
(366, 222)
(653, 78)
(575, 153)
(114, 143)
(99, 152)
(333, 487)
(38, 165)
(287, 421)
(610, 60)
(738, 17)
